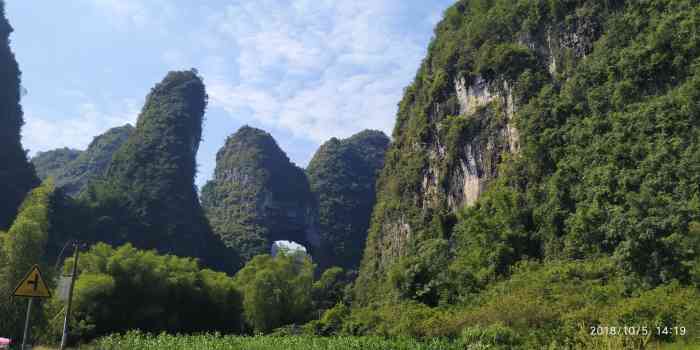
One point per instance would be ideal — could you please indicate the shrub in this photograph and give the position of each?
(125, 288)
(495, 336)
(276, 290)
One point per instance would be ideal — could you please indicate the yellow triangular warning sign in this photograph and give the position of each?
(32, 285)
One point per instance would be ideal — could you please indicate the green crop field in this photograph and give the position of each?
(136, 340)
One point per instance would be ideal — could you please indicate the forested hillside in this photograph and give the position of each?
(73, 169)
(541, 190)
(52, 163)
(17, 176)
(147, 197)
(258, 196)
(342, 175)
(542, 130)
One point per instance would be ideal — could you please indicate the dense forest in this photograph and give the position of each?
(258, 196)
(541, 187)
(17, 176)
(72, 169)
(342, 175)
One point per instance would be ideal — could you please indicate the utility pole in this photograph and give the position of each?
(64, 338)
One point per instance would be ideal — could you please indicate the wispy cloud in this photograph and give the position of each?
(317, 68)
(136, 14)
(43, 133)
(305, 70)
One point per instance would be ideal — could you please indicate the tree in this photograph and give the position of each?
(276, 290)
(17, 176)
(329, 289)
(126, 288)
(20, 248)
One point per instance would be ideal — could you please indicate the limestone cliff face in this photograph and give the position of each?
(458, 123)
(257, 196)
(478, 158)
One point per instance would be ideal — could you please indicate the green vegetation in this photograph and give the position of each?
(125, 288)
(606, 97)
(148, 198)
(276, 290)
(17, 176)
(136, 340)
(590, 218)
(541, 305)
(342, 175)
(495, 338)
(52, 163)
(611, 153)
(22, 247)
(543, 183)
(73, 169)
(331, 288)
(257, 196)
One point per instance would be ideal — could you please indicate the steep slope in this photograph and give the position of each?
(73, 169)
(147, 196)
(541, 130)
(17, 176)
(343, 175)
(53, 163)
(258, 196)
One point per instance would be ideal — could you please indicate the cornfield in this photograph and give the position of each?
(140, 341)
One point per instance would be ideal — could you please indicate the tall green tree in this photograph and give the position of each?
(125, 288)
(276, 290)
(22, 247)
(17, 176)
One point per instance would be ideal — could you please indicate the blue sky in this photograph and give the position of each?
(303, 70)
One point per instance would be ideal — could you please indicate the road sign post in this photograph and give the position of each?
(64, 337)
(26, 324)
(32, 286)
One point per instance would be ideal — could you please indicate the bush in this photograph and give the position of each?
(276, 290)
(558, 302)
(331, 322)
(495, 336)
(405, 319)
(329, 289)
(126, 288)
(20, 248)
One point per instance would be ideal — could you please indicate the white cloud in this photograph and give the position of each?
(310, 68)
(316, 68)
(136, 14)
(42, 134)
